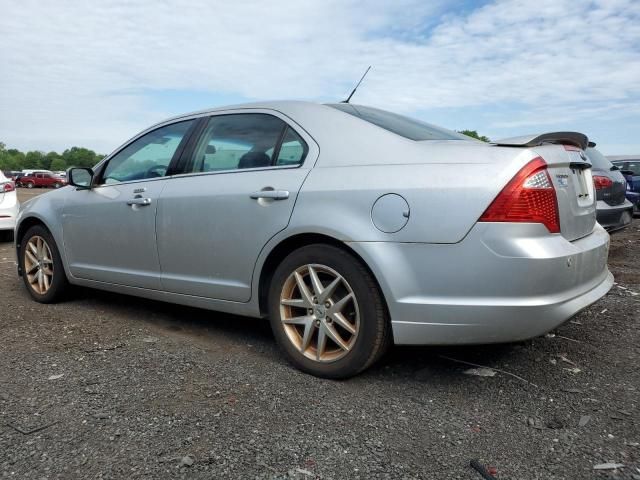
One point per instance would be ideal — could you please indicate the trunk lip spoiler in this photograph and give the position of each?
(563, 138)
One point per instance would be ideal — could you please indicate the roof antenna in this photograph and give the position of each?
(356, 87)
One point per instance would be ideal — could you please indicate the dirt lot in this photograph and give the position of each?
(109, 386)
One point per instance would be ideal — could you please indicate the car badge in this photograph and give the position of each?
(563, 180)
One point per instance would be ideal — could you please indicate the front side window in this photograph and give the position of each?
(147, 157)
(246, 140)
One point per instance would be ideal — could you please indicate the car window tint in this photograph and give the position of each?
(148, 156)
(293, 149)
(399, 124)
(237, 141)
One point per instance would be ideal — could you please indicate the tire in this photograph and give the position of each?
(361, 322)
(51, 261)
(57, 185)
(29, 185)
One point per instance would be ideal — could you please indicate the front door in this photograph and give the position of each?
(238, 190)
(109, 230)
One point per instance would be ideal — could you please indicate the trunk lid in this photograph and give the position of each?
(571, 174)
(615, 193)
(572, 177)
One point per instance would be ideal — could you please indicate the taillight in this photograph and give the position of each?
(602, 182)
(528, 198)
(8, 187)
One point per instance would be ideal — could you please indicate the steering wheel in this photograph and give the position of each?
(156, 171)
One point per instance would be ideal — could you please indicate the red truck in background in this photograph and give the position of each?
(45, 180)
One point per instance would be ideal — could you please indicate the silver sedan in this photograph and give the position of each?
(350, 228)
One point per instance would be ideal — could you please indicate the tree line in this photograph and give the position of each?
(15, 160)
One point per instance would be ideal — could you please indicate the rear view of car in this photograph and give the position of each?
(8, 207)
(614, 211)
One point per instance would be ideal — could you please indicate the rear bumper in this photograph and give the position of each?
(502, 283)
(614, 217)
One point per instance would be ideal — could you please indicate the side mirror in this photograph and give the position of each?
(80, 177)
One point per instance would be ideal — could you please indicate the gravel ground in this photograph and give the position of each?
(109, 386)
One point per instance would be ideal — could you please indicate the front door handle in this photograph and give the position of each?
(143, 202)
(271, 194)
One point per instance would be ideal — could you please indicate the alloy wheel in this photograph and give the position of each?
(319, 312)
(38, 264)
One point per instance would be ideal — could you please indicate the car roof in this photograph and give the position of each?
(279, 105)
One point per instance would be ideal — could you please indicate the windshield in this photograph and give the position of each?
(399, 124)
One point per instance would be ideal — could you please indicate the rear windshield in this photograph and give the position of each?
(398, 124)
(598, 160)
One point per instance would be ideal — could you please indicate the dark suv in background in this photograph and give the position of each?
(630, 167)
(613, 210)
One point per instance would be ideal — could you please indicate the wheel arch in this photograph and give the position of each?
(24, 225)
(288, 245)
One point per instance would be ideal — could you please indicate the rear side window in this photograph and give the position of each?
(292, 150)
(399, 124)
(246, 140)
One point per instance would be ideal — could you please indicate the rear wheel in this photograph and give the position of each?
(327, 313)
(41, 265)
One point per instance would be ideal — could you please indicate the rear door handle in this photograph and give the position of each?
(272, 194)
(139, 201)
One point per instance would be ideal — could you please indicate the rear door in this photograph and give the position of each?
(237, 189)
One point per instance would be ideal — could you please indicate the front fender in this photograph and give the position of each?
(45, 209)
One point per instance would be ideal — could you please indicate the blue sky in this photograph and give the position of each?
(95, 73)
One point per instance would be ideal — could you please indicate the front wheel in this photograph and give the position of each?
(57, 185)
(41, 266)
(29, 185)
(327, 313)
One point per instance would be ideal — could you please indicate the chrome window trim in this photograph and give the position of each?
(236, 170)
(194, 174)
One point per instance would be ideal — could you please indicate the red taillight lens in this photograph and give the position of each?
(528, 198)
(602, 182)
(7, 187)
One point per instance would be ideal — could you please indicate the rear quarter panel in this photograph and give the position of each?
(447, 187)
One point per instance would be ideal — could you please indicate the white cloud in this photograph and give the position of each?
(77, 72)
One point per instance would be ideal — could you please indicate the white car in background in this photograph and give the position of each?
(9, 207)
